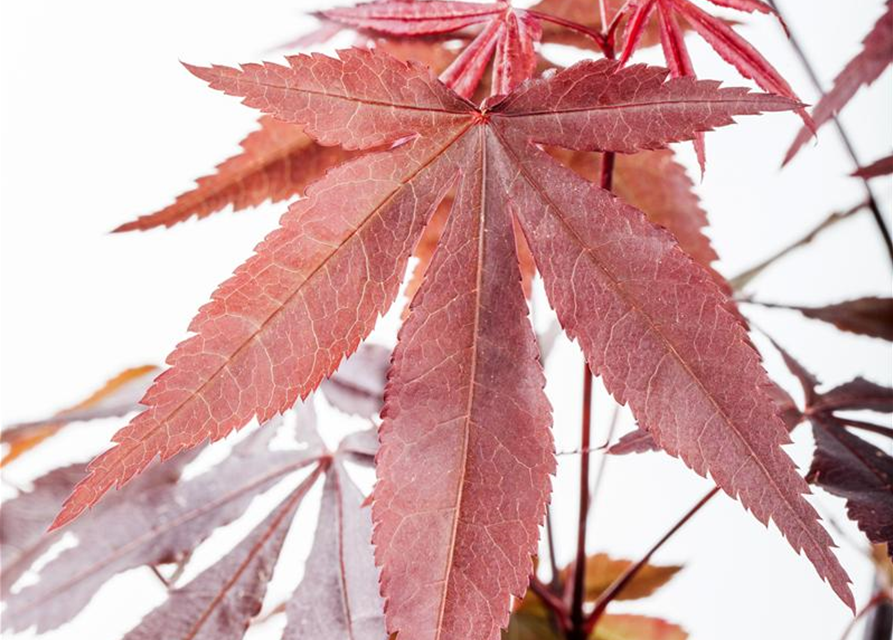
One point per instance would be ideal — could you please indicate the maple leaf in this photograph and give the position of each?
(881, 167)
(657, 185)
(156, 520)
(221, 601)
(602, 570)
(338, 597)
(870, 316)
(278, 161)
(858, 471)
(843, 463)
(875, 56)
(315, 287)
(507, 37)
(117, 397)
(530, 620)
(357, 388)
(635, 627)
(718, 34)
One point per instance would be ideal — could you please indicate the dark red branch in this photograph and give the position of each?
(844, 136)
(618, 585)
(577, 616)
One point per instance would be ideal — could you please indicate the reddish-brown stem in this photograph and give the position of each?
(552, 602)
(615, 22)
(603, 14)
(600, 474)
(573, 26)
(617, 586)
(876, 599)
(554, 583)
(161, 578)
(842, 133)
(742, 279)
(578, 629)
(607, 171)
(577, 617)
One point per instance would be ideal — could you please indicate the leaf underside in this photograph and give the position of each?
(466, 449)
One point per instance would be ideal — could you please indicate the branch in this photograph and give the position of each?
(600, 474)
(609, 594)
(844, 136)
(550, 540)
(552, 602)
(580, 562)
(573, 26)
(743, 279)
(878, 598)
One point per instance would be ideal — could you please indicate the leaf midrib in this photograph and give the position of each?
(472, 376)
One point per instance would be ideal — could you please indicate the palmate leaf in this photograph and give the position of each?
(221, 601)
(117, 397)
(160, 519)
(507, 37)
(734, 49)
(869, 316)
(848, 466)
(157, 519)
(845, 464)
(469, 467)
(277, 162)
(531, 620)
(875, 56)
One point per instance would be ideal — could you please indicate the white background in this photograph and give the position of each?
(101, 123)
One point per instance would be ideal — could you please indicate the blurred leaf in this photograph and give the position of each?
(632, 627)
(602, 571)
(117, 397)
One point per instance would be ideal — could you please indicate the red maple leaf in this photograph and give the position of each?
(507, 37)
(844, 464)
(734, 49)
(466, 449)
(875, 56)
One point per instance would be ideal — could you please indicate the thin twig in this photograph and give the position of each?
(600, 474)
(618, 585)
(876, 599)
(552, 602)
(164, 581)
(181, 567)
(573, 26)
(603, 14)
(844, 136)
(743, 279)
(555, 582)
(576, 452)
(577, 616)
